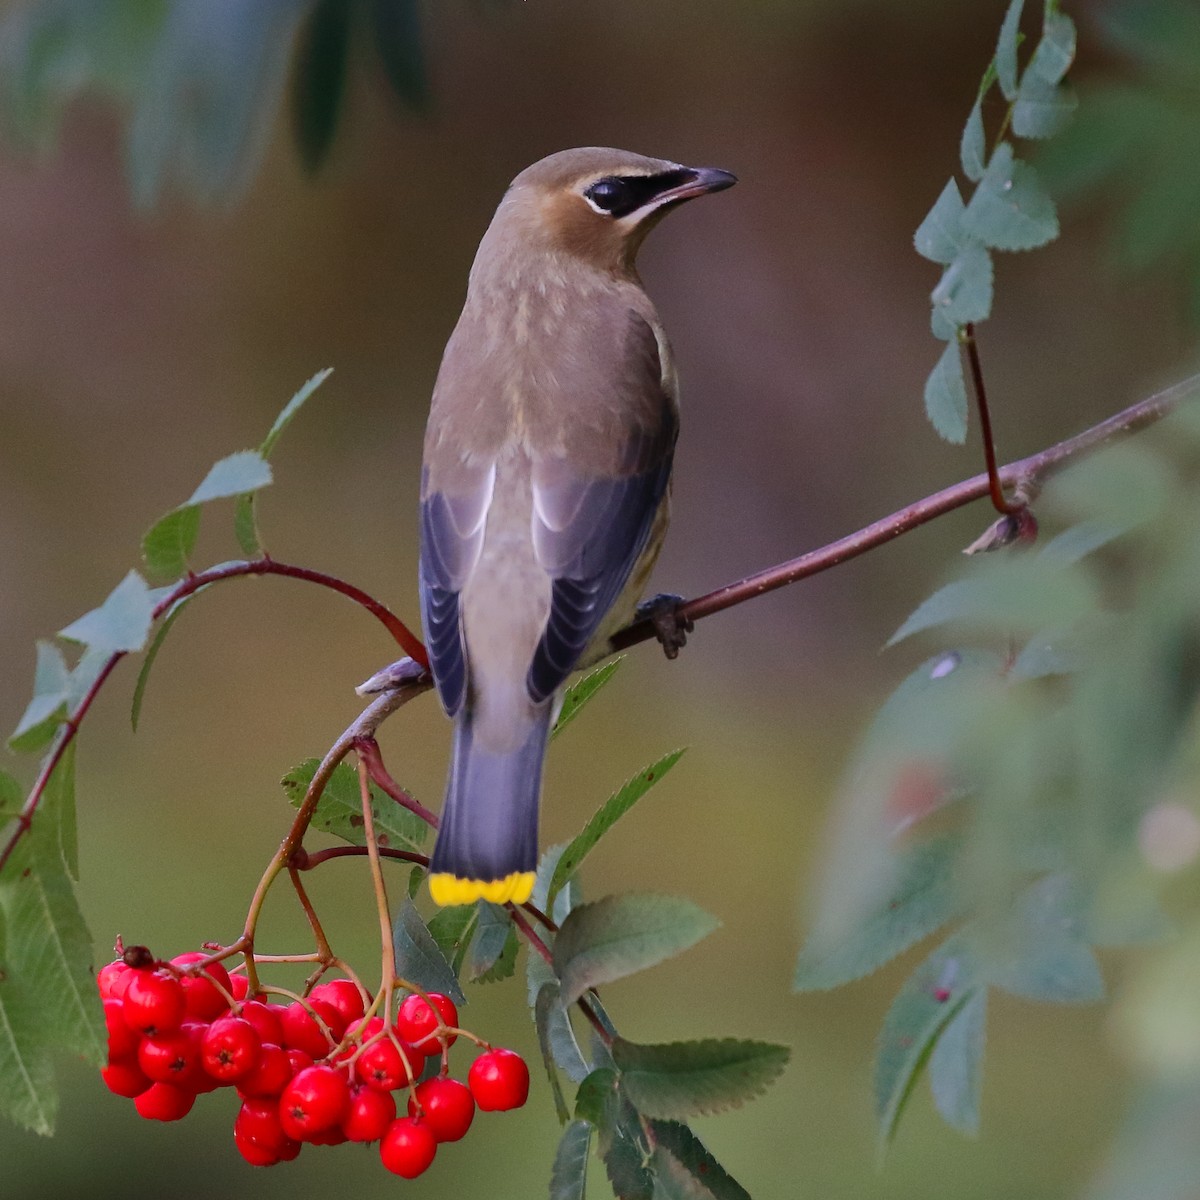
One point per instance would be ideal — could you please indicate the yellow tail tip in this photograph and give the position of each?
(447, 889)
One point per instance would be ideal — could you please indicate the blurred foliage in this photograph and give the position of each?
(1138, 138)
(201, 83)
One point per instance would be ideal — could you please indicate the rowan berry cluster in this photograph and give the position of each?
(318, 1070)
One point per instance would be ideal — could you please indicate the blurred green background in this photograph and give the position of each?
(139, 344)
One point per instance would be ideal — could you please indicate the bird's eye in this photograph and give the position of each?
(608, 194)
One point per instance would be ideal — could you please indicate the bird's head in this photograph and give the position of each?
(598, 204)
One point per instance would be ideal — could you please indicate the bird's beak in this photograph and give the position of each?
(701, 181)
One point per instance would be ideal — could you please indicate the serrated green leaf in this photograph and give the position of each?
(160, 636)
(921, 899)
(946, 396)
(49, 706)
(88, 669)
(956, 1065)
(12, 796)
(1055, 52)
(452, 929)
(57, 809)
(972, 149)
(927, 1002)
(556, 1033)
(964, 292)
(398, 39)
(339, 810)
(605, 817)
(622, 1144)
(290, 409)
(416, 877)
(493, 952)
(593, 1099)
(568, 1176)
(578, 694)
(244, 471)
(569, 895)
(548, 1006)
(1015, 595)
(419, 958)
(28, 1095)
(168, 544)
(617, 936)
(121, 623)
(939, 236)
(1080, 540)
(1010, 209)
(1006, 49)
(1042, 109)
(682, 1079)
(686, 1149)
(319, 80)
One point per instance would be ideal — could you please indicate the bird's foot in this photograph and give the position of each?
(394, 675)
(670, 626)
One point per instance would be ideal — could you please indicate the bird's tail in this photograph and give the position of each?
(487, 844)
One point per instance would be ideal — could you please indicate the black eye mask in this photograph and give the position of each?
(620, 195)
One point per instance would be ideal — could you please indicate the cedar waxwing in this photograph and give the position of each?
(544, 488)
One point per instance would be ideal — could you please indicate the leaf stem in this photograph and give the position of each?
(1000, 502)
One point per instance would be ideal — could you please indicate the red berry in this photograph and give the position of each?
(172, 1058)
(383, 1068)
(344, 995)
(271, 1075)
(239, 987)
(204, 1002)
(315, 1100)
(407, 1148)
(417, 1021)
(162, 1102)
(265, 1018)
(298, 1060)
(499, 1080)
(369, 1115)
(125, 1079)
(123, 1042)
(153, 1003)
(107, 976)
(230, 1049)
(254, 1153)
(301, 1031)
(201, 1082)
(333, 1136)
(446, 1107)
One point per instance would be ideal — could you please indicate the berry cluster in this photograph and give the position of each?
(318, 1070)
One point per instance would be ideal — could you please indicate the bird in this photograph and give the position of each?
(545, 486)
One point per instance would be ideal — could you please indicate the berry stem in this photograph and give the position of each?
(368, 751)
(324, 953)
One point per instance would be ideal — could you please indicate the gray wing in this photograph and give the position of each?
(589, 530)
(452, 526)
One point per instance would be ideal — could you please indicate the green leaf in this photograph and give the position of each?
(1006, 49)
(568, 1176)
(593, 1099)
(57, 810)
(548, 1005)
(1040, 954)
(28, 1096)
(682, 1079)
(48, 708)
(687, 1151)
(290, 409)
(418, 957)
(619, 935)
(921, 899)
(972, 150)
(398, 39)
(452, 929)
(339, 810)
(941, 328)
(12, 797)
(956, 1065)
(1010, 209)
(556, 1034)
(1017, 594)
(319, 80)
(121, 624)
(168, 544)
(605, 817)
(245, 471)
(930, 999)
(1080, 540)
(160, 636)
(939, 236)
(964, 292)
(578, 694)
(946, 396)
(601, 1102)
(245, 526)
(493, 952)
(1042, 109)
(1052, 58)
(567, 898)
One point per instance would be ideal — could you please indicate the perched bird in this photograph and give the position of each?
(544, 488)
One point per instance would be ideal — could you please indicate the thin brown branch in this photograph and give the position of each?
(1000, 502)
(1027, 474)
(302, 860)
(368, 752)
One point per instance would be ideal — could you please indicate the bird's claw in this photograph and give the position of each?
(671, 627)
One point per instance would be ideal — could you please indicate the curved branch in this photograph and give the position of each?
(1027, 474)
